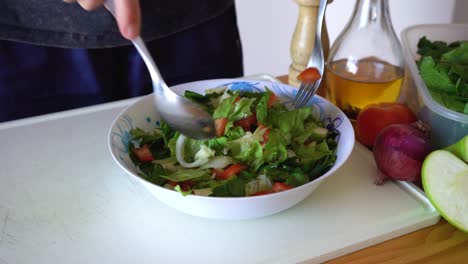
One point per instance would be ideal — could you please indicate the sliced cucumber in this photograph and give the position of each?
(445, 181)
(318, 133)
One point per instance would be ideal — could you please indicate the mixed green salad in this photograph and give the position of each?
(444, 69)
(261, 147)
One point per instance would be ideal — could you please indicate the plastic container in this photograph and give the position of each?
(447, 125)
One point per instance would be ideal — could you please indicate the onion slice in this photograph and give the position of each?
(218, 162)
(261, 183)
(201, 157)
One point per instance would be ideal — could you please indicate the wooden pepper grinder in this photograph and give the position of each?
(302, 42)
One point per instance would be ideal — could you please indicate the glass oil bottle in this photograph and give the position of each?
(366, 63)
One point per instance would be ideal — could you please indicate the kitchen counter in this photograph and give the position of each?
(62, 199)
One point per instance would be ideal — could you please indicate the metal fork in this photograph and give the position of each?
(316, 60)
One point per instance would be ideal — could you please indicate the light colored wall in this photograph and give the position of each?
(266, 26)
(460, 14)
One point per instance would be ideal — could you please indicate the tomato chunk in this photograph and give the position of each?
(247, 123)
(186, 185)
(172, 183)
(261, 193)
(279, 187)
(231, 171)
(220, 126)
(272, 100)
(143, 153)
(309, 75)
(266, 135)
(217, 172)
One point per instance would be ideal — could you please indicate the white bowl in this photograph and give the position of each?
(144, 115)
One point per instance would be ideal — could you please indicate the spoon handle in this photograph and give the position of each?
(148, 59)
(144, 53)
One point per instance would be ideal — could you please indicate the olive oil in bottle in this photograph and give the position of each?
(369, 81)
(365, 65)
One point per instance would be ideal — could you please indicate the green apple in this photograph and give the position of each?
(445, 181)
(460, 149)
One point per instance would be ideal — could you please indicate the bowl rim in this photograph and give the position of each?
(317, 180)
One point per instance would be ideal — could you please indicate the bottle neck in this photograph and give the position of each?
(372, 13)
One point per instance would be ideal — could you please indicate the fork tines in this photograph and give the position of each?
(306, 91)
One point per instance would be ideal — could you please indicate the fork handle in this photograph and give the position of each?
(320, 15)
(303, 39)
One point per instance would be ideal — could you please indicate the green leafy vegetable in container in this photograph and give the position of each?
(444, 69)
(261, 147)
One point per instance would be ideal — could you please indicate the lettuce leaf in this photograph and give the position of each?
(458, 55)
(145, 137)
(444, 69)
(186, 174)
(435, 76)
(171, 145)
(184, 193)
(312, 152)
(242, 109)
(291, 122)
(153, 173)
(275, 149)
(224, 108)
(234, 133)
(233, 187)
(232, 110)
(248, 148)
(293, 176)
(262, 107)
(154, 139)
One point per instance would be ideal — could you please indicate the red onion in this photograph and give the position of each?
(399, 151)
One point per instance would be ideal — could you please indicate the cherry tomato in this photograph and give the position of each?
(247, 123)
(266, 135)
(261, 193)
(279, 187)
(220, 126)
(172, 183)
(272, 100)
(186, 185)
(143, 153)
(375, 117)
(309, 75)
(217, 172)
(231, 171)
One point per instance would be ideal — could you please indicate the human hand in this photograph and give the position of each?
(127, 14)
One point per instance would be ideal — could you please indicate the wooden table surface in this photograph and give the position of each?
(440, 243)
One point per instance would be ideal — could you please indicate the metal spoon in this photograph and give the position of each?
(178, 112)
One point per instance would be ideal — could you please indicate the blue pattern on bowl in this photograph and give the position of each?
(243, 86)
(121, 138)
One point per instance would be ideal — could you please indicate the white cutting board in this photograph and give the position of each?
(64, 200)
